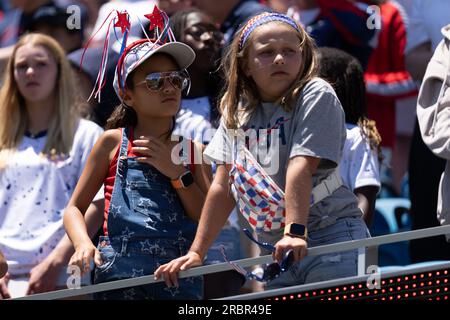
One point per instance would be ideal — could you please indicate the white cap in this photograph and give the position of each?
(139, 51)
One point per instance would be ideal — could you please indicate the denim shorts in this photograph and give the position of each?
(328, 266)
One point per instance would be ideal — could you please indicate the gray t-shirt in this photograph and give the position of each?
(316, 127)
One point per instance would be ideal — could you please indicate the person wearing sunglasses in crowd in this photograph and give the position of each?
(152, 200)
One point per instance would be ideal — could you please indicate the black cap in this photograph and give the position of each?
(57, 16)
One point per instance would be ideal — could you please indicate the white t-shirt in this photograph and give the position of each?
(33, 194)
(192, 123)
(199, 106)
(427, 18)
(193, 126)
(359, 165)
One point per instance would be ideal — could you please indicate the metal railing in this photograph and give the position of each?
(338, 282)
(367, 255)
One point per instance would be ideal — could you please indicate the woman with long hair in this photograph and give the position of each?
(43, 148)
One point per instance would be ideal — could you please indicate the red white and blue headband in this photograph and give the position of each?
(261, 19)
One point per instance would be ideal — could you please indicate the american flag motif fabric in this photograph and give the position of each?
(260, 200)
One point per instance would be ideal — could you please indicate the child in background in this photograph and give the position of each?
(360, 164)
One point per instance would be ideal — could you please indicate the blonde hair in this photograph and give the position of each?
(371, 135)
(241, 96)
(13, 118)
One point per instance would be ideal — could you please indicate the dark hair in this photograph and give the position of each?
(376, 2)
(56, 16)
(124, 116)
(345, 74)
(179, 19)
(178, 23)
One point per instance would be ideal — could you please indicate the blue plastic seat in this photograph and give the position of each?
(392, 216)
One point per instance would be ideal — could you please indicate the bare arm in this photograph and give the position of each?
(366, 201)
(44, 276)
(298, 192)
(93, 220)
(218, 206)
(91, 179)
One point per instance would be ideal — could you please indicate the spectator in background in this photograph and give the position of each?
(38, 16)
(230, 14)
(17, 20)
(172, 6)
(359, 166)
(52, 20)
(433, 113)
(340, 24)
(3, 265)
(426, 20)
(15, 23)
(197, 30)
(43, 148)
(86, 73)
(136, 8)
(387, 81)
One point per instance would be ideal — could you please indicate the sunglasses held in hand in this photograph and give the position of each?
(272, 270)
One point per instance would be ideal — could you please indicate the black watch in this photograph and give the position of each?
(183, 181)
(296, 230)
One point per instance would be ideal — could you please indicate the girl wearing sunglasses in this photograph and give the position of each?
(152, 200)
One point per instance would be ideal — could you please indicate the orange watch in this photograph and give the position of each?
(183, 181)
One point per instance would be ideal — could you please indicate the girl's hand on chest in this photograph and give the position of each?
(158, 154)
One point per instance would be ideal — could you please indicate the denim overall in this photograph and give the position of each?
(147, 227)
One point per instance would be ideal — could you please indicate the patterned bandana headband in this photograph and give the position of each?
(261, 19)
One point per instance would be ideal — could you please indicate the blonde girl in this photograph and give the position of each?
(43, 148)
(274, 99)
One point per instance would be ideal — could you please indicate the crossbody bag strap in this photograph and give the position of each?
(326, 187)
